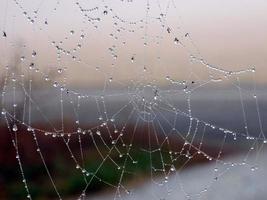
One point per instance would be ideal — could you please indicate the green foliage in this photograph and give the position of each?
(70, 181)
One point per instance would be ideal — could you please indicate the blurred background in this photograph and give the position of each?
(133, 99)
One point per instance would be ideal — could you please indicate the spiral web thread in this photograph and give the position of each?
(148, 101)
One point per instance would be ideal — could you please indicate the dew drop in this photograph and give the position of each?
(4, 34)
(60, 70)
(34, 53)
(14, 128)
(31, 66)
(98, 132)
(176, 41)
(55, 84)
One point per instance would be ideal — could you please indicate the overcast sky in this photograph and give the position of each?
(228, 34)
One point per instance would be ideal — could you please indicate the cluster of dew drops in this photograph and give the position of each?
(60, 70)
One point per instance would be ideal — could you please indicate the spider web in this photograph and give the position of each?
(121, 79)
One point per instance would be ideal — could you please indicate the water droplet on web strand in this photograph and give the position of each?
(60, 70)
(3, 112)
(144, 69)
(34, 53)
(4, 34)
(176, 40)
(31, 66)
(22, 58)
(14, 128)
(55, 84)
(98, 133)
